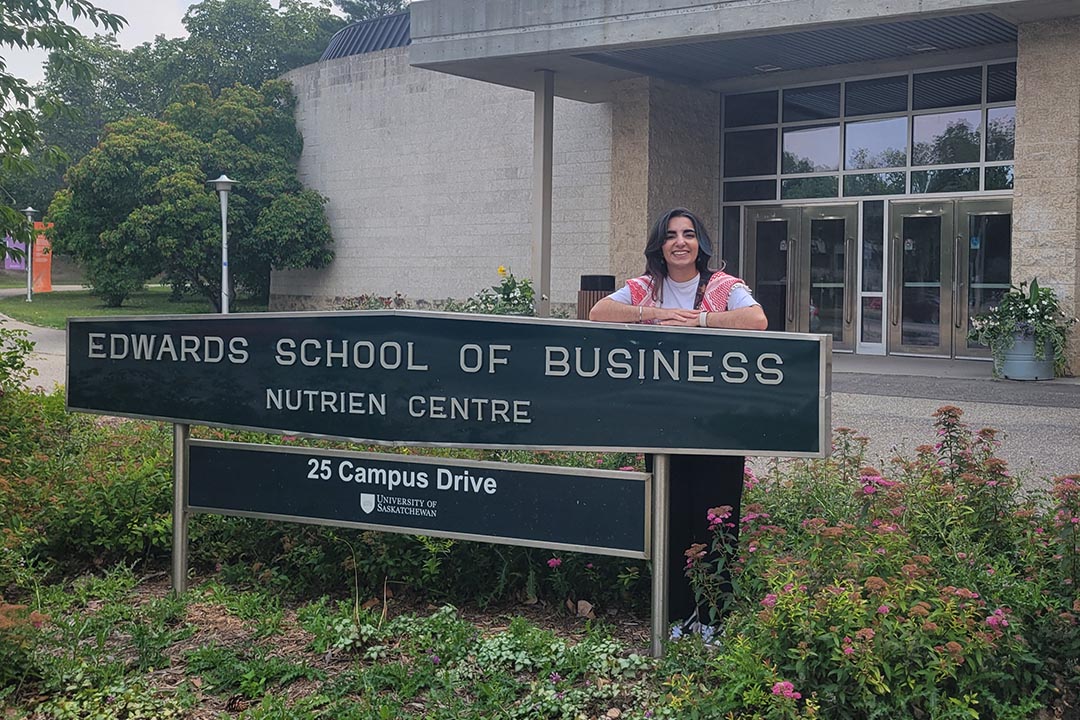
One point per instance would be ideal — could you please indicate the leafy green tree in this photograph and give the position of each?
(230, 41)
(28, 24)
(138, 204)
(358, 10)
(248, 42)
(70, 134)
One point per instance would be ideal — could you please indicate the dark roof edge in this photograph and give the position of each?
(368, 36)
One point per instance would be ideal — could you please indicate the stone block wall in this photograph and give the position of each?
(429, 181)
(630, 177)
(1046, 198)
(665, 153)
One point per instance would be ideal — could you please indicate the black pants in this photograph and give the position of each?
(698, 482)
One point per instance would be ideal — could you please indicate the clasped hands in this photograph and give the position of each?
(677, 316)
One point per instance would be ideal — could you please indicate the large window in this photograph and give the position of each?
(940, 131)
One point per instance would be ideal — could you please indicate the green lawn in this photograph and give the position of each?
(53, 309)
(12, 279)
(64, 272)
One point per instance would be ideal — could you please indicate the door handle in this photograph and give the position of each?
(958, 282)
(792, 279)
(895, 270)
(850, 290)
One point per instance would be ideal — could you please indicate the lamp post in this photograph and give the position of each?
(29, 211)
(223, 185)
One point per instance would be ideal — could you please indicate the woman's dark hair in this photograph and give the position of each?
(655, 265)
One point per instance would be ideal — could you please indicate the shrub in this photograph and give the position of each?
(15, 348)
(18, 637)
(937, 591)
(510, 297)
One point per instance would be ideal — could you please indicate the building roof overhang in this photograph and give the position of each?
(725, 45)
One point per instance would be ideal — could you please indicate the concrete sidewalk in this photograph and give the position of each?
(50, 345)
(889, 399)
(892, 400)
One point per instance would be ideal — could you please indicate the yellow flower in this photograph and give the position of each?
(502, 271)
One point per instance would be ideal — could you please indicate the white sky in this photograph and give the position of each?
(146, 19)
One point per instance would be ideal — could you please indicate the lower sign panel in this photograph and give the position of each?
(549, 507)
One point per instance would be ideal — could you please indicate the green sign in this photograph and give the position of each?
(401, 377)
(553, 507)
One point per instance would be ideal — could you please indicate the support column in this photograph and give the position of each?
(543, 136)
(1046, 197)
(665, 152)
(629, 177)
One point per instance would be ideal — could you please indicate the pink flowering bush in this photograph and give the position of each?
(936, 589)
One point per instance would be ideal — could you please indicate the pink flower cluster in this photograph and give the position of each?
(785, 689)
(873, 483)
(554, 563)
(997, 619)
(718, 515)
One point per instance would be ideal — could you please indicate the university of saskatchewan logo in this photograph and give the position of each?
(367, 502)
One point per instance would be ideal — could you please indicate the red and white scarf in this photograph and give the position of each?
(715, 298)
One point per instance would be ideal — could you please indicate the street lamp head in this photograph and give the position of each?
(222, 184)
(29, 211)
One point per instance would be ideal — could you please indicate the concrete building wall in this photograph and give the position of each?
(630, 177)
(429, 180)
(1046, 198)
(665, 154)
(684, 151)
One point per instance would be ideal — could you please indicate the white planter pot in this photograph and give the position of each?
(1020, 362)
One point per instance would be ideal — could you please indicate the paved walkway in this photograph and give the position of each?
(50, 345)
(889, 399)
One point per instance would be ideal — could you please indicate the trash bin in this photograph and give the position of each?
(593, 287)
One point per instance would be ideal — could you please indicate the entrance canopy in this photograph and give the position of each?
(724, 46)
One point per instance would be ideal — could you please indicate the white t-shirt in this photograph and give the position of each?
(682, 295)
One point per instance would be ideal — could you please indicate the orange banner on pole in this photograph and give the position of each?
(42, 259)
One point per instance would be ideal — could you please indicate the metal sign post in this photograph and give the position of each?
(660, 492)
(181, 435)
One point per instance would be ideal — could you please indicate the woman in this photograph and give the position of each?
(678, 289)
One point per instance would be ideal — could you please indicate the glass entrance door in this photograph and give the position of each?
(771, 238)
(948, 261)
(985, 266)
(801, 264)
(829, 236)
(920, 314)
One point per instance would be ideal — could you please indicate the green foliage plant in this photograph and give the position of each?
(939, 590)
(131, 700)
(15, 349)
(19, 635)
(511, 296)
(1029, 312)
(29, 25)
(250, 672)
(934, 588)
